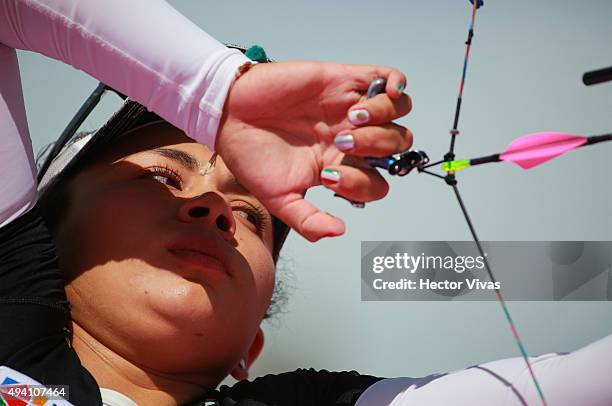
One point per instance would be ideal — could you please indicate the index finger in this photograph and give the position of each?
(380, 109)
(396, 80)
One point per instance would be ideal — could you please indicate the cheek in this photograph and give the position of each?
(120, 258)
(112, 227)
(262, 266)
(171, 297)
(140, 301)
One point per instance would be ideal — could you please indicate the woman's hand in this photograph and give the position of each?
(278, 131)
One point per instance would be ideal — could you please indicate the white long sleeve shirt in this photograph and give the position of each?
(142, 48)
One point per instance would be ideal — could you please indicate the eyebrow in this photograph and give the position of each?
(183, 158)
(191, 163)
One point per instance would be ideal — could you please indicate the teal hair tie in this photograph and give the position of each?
(256, 53)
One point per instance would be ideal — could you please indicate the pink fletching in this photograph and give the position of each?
(534, 149)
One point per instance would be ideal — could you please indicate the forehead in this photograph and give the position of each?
(166, 141)
(162, 142)
(151, 137)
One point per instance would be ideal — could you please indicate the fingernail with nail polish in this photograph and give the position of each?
(330, 176)
(400, 87)
(344, 142)
(357, 117)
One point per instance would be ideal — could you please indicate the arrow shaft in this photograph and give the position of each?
(485, 159)
(597, 76)
(458, 165)
(598, 138)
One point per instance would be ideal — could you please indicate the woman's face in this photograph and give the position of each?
(169, 267)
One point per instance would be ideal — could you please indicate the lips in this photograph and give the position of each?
(199, 259)
(204, 255)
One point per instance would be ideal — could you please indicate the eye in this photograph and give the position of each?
(246, 215)
(166, 176)
(254, 215)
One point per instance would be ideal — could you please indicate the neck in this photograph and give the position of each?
(143, 385)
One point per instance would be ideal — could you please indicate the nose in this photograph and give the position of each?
(212, 209)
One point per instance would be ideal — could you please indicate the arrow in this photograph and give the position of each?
(532, 150)
(597, 76)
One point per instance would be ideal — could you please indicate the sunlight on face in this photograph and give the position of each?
(169, 267)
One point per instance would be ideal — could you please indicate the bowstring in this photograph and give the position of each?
(450, 179)
(500, 297)
(455, 131)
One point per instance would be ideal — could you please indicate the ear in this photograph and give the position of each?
(240, 373)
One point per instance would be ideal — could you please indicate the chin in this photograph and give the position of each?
(184, 305)
(189, 353)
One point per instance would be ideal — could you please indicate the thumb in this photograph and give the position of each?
(308, 220)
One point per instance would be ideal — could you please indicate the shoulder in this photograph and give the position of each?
(302, 386)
